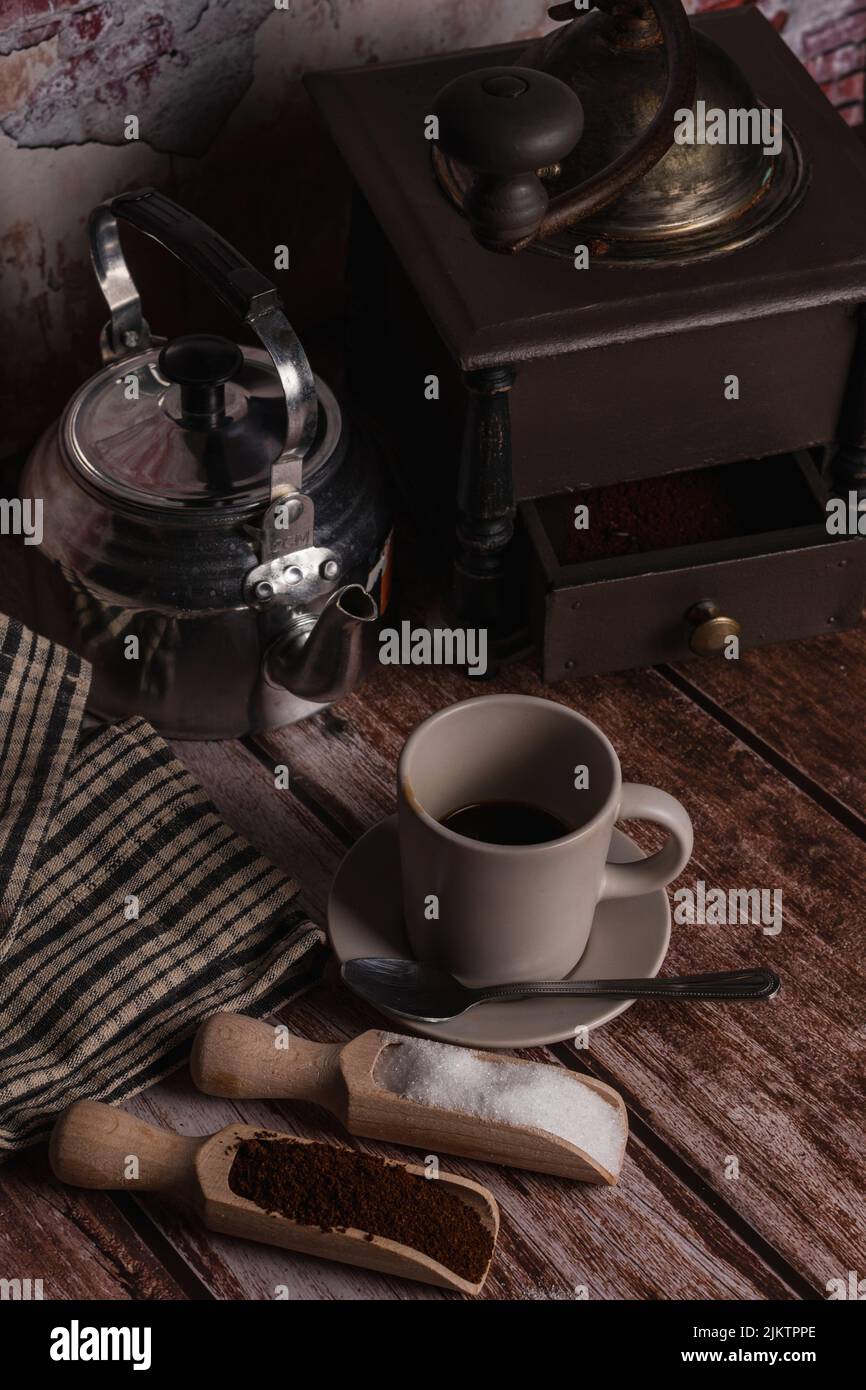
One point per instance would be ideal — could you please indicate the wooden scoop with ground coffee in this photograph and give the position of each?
(315, 1198)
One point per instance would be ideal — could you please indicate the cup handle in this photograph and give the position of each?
(647, 875)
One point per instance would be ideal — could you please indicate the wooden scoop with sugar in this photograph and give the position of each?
(428, 1095)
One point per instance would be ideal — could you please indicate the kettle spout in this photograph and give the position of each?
(321, 659)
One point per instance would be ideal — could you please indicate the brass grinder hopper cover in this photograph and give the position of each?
(700, 200)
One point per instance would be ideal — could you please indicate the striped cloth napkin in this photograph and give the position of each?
(128, 910)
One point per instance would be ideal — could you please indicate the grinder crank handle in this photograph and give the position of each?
(243, 1058)
(232, 279)
(96, 1145)
(506, 124)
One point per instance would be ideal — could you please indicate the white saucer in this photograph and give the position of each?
(629, 939)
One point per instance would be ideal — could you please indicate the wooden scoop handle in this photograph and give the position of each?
(242, 1057)
(95, 1145)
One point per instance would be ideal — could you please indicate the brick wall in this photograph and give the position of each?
(830, 37)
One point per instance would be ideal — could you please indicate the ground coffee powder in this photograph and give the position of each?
(335, 1189)
(696, 507)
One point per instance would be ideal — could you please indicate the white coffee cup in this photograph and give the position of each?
(490, 913)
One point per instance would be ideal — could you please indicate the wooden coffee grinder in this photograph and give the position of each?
(645, 331)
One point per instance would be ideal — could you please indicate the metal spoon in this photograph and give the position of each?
(419, 991)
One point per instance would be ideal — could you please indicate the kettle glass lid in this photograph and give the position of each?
(185, 443)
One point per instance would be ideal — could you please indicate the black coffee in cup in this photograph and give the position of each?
(505, 823)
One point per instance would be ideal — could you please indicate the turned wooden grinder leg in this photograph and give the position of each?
(485, 504)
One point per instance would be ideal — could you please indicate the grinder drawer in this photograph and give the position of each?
(661, 558)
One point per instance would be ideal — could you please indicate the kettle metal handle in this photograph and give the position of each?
(234, 281)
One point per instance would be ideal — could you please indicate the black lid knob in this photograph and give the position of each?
(200, 364)
(508, 120)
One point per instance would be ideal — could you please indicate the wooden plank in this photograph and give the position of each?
(651, 1237)
(806, 701)
(76, 1242)
(777, 1085)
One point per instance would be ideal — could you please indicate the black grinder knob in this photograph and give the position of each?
(505, 124)
(200, 364)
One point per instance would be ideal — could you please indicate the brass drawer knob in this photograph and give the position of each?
(710, 628)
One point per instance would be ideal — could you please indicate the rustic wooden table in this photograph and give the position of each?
(764, 753)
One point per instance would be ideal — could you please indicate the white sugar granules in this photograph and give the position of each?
(526, 1093)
